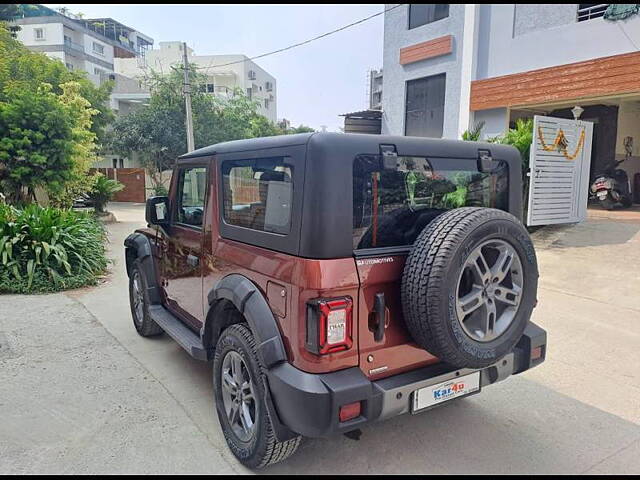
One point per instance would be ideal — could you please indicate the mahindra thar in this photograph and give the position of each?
(335, 280)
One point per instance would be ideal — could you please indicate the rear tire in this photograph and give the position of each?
(469, 286)
(608, 204)
(139, 302)
(255, 447)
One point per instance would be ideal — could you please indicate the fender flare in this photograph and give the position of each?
(250, 302)
(138, 247)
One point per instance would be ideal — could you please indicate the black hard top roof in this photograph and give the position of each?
(365, 143)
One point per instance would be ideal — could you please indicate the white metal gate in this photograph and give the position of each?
(559, 170)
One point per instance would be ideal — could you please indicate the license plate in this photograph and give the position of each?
(455, 388)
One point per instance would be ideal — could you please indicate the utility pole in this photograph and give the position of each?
(187, 99)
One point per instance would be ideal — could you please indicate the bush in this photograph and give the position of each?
(49, 249)
(103, 191)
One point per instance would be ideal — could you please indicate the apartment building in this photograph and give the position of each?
(448, 66)
(224, 73)
(81, 44)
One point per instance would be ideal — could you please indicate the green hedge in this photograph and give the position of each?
(45, 249)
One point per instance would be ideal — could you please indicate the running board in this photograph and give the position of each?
(177, 330)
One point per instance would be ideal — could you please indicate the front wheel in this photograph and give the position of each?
(239, 389)
(139, 301)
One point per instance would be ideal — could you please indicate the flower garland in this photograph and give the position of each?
(560, 144)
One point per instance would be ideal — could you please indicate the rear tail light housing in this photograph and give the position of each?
(329, 325)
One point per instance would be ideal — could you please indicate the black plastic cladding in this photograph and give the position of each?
(324, 220)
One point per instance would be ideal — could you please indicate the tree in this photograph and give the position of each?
(83, 148)
(36, 145)
(8, 12)
(47, 129)
(157, 132)
(299, 129)
(20, 66)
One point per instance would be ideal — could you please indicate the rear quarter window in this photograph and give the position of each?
(392, 206)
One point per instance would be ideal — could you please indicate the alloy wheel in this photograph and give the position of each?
(238, 396)
(489, 290)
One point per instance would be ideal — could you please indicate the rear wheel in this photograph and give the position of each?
(240, 388)
(608, 203)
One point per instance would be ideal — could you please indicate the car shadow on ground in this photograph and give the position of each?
(517, 426)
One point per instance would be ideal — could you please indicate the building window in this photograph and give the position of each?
(268, 86)
(266, 103)
(69, 66)
(38, 33)
(423, 13)
(121, 162)
(98, 48)
(252, 75)
(115, 162)
(97, 71)
(424, 108)
(587, 11)
(249, 93)
(210, 88)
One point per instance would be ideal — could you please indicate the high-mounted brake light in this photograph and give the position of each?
(329, 325)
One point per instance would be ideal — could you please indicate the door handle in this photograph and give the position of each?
(192, 260)
(380, 308)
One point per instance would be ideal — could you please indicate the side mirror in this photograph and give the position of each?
(157, 211)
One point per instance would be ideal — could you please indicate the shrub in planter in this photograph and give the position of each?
(45, 249)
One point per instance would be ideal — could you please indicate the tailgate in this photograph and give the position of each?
(394, 352)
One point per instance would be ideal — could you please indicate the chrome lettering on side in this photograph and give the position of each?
(374, 261)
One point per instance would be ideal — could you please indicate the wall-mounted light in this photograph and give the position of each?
(577, 111)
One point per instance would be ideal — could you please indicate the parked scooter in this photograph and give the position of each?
(612, 187)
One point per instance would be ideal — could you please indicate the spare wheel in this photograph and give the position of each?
(469, 286)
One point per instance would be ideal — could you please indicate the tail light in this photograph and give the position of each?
(349, 411)
(329, 325)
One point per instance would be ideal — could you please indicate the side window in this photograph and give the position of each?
(192, 187)
(257, 194)
(423, 13)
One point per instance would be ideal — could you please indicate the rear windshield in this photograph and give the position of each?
(392, 206)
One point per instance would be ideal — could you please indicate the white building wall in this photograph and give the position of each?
(52, 34)
(231, 76)
(502, 39)
(545, 36)
(396, 36)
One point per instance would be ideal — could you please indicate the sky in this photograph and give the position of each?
(315, 82)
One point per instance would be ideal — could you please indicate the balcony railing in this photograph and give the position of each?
(73, 45)
(587, 11)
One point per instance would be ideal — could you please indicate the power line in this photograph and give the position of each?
(304, 42)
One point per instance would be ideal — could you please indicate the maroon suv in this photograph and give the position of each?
(336, 280)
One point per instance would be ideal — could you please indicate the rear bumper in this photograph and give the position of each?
(308, 404)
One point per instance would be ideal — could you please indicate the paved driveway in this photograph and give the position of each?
(88, 394)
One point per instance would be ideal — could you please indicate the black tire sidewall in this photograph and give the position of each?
(479, 354)
(249, 453)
